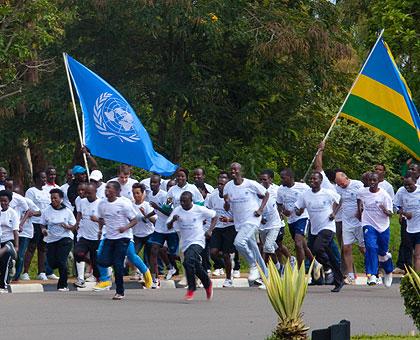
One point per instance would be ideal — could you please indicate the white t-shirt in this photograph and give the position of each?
(19, 204)
(326, 184)
(160, 200)
(244, 201)
(288, 196)
(48, 187)
(216, 203)
(100, 192)
(373, 215)
(87, 228)
(190, 224)
(42, 200)
(127, 188)
(117, 214)
(320, 206)
(410, 202)
(52, 219)
(349, 203)
(146, 182)
(418, 181)
(28, 227)
(9, 221)
(77, 203)
(66, 201)
(209, 188)
(143, 229)
(387, 187)
(175, 192)
(271, 215)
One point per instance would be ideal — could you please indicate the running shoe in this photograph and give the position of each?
(64, 289)
(118, 297)
(52, 277)
(216, 272)
(189, 295)
(42, 277)
(388, 280)
(135, 276)
(253, 273)
(371, 280)
(80, 283)
(398, 270)
(337, 287)
(25, 277)
(91, 278)
(209, 291)
(171, 272)
(228, 283)
(317, 270)
(156, 284)
(349, 281)
(103, 285)
(236, 274)
(3, 291)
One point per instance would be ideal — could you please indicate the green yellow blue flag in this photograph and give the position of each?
(381, 101)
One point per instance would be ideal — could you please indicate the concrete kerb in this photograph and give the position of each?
(51, 286)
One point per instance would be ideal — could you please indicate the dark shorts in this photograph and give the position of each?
(415, 238)
(140, 242)
(223, 238)
(172, 240)
(298, 227)
(280, 236)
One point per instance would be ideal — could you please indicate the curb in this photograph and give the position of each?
(50, 286)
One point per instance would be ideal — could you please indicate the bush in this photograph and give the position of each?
(411, 300)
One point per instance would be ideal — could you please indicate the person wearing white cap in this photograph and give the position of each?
(96, 178)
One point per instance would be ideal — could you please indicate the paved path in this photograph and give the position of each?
(243, 313)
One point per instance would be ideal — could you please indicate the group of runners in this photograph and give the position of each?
(151, 225)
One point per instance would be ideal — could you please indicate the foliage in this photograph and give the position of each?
(286, 294)
(409, 289)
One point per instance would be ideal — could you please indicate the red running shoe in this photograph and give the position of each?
(209, 291)
(189, 295)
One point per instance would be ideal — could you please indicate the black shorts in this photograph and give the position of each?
(223, 238)
(83, 247)
(280, 235)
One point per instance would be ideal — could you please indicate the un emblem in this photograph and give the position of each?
(113, 118)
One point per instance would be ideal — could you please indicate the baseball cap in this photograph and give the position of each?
(77, 169)
(96, 175)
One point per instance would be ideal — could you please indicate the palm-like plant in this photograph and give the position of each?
(286, 295)
(414, 278)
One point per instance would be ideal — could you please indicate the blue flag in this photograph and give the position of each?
(112, 128)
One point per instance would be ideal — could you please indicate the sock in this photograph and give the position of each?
(80, 266)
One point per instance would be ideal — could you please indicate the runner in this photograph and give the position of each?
(9, 238)
(375, 210)
(243, 197)
(57, 225)
(87, 233)
(407, 200)
(187, 219)
(287, 195)
(199, 177)
(158, 200)
(321, 205)
(352, 228)
(182, 185)
(224, 234)
(51, 173)
(125, 181)
(119, 217)
(65, 187)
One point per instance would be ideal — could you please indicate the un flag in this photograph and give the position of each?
(112, 128)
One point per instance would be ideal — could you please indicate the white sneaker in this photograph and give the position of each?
(199, 284)
(42, 277)
(222, 271)
(263, 287)
(64, 289)
(183, 281)
(379, 281)
(135, 276)
(91, 278)
(80, 283)
(371, 281)
(236, 274)
(228, 283)
(156, 284)
(388, 280)
(52, 277)
(171, 272)
(253, 273)
(216, 272)
(25, 277)
(3, 291)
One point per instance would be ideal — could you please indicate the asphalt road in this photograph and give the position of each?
(243, 313)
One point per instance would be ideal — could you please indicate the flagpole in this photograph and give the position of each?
(344, 102)
(75, 114)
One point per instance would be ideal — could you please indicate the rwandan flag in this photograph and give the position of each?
(381, 101)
